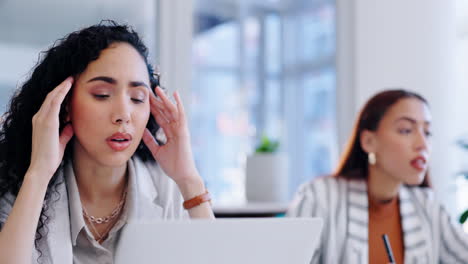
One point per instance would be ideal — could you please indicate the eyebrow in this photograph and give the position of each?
(111, 80)
(136, 84)
(411, 120)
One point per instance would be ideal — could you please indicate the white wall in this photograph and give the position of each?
(174, 49)
(408, 44)
(15, 65)
(16, 62)
(29, 26)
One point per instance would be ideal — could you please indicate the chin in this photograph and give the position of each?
(415, 179)
(116, 159)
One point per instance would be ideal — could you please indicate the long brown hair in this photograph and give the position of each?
(353, 163)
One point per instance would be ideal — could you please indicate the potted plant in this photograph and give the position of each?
(267, 173)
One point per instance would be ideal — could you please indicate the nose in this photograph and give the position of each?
(121, 113)
(422, 141)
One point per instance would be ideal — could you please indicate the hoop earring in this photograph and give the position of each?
(371, 158)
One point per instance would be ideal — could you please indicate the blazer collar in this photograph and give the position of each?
(416, 241)
(143, 204)
(358, 221)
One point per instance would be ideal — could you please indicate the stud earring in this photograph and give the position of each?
(371, 158)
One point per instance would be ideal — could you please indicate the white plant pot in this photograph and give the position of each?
(266, 177)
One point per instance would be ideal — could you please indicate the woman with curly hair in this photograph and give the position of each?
(78, 154)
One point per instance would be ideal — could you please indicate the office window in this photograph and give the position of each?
(262, 69)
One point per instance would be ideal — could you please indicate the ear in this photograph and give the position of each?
(68, 100)
(67, 109)
(368, 141)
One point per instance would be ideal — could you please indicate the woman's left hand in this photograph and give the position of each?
(175, 156)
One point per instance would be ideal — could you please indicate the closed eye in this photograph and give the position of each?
(404, 131)
(101, 96)
(138, 101)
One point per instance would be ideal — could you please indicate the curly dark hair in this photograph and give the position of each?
(67, 57)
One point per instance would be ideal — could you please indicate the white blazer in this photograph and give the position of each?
(429, 235)
(155, 196)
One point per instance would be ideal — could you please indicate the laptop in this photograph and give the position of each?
(221, 241)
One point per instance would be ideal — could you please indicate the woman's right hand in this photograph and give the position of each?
(48, 145)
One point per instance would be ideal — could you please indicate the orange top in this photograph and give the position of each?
(384, 218)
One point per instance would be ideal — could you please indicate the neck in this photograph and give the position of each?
(97, 182)
(382, 188)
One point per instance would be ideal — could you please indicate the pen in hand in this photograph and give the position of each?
(388, 248)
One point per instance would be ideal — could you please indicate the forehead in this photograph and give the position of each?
(118, 60)
(408, 107)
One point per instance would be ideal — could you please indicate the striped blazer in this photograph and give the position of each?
(429, 234)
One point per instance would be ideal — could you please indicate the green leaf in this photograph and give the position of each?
(464, 217)
(267, 145)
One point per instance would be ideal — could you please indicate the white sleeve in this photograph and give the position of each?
(174, 199)
(178, 209)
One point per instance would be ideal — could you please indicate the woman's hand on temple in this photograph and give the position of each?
(175, 156)
(48, 144)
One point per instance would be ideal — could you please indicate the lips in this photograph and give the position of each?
(419, 163)
(119, 141)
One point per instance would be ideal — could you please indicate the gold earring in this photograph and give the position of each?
(371, 158)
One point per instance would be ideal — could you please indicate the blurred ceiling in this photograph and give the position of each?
(210, 13)
(39, 23)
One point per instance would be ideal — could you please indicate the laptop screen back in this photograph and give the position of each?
(226, 241)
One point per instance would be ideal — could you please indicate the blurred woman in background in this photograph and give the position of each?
(382, 186)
